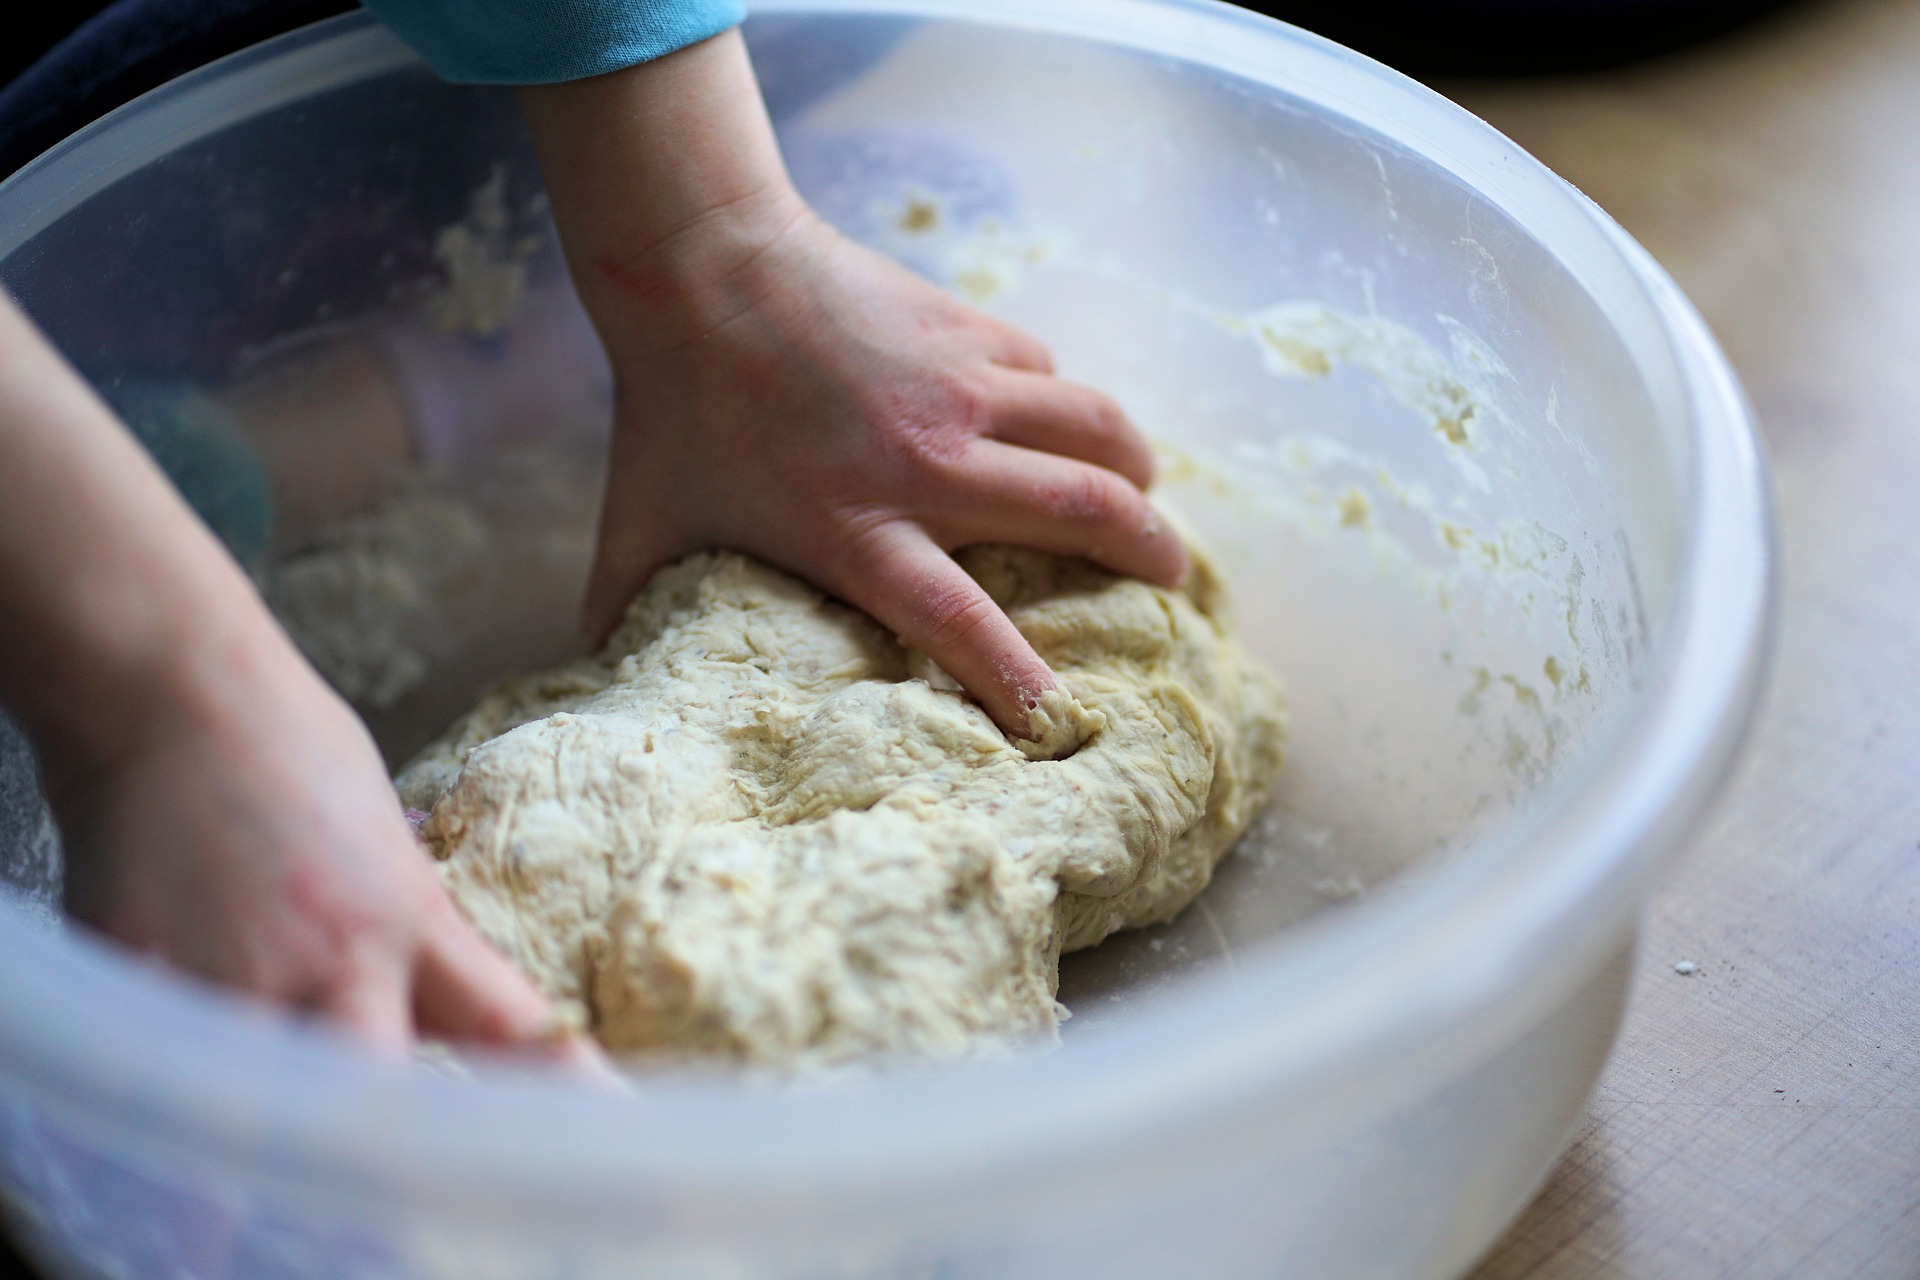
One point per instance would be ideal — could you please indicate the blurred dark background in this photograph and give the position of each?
(67, 62)
(1439, 39)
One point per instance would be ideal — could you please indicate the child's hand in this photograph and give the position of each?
(246, 831)
(855, 424)
(220, 807)
(782, 390)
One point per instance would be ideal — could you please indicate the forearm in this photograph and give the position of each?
(114, 595)
(667, 184)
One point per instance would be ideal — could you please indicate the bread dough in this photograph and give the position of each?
(754, 827)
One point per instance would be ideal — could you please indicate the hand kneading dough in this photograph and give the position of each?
(754, 827)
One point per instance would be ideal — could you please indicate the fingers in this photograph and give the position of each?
(1043, 413)
(370, 1002)
(1016, 348)
(1004, 493)
(465, 990)
(584, 1057)
(898, 574)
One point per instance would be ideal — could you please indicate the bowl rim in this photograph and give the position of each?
(1496, 936)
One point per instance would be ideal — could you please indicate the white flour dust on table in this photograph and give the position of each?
(754, 828)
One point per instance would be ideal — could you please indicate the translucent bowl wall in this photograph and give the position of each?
(1484, 486)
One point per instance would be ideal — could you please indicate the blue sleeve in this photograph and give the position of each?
(546, 41)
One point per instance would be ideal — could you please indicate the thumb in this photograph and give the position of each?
(632, 541)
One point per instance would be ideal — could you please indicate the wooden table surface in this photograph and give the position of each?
(1761, 1118)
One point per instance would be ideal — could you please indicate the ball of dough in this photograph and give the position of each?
(755, 828)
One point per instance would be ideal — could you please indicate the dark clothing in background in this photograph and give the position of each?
(67, 63)
(32, 30)
(75, 60)
(1433, 39)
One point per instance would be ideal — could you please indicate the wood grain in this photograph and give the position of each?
(1761, 1117)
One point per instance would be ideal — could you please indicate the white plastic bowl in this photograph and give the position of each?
(1489, 496)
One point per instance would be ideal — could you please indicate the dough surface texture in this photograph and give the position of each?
(755, 828)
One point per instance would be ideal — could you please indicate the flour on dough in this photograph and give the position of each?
(754, 827)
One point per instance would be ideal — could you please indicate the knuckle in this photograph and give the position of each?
(1032, 352)
(965, 407)
(954, 612)
(1110, 419)
(865, 533)
(315, 977)
(933, 426)
(860, 553)
(1092, 497)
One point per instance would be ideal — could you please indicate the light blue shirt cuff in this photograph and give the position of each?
(547, 41)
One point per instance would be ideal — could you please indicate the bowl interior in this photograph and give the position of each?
(1445, 489)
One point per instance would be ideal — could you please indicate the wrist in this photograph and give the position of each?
(659, 298)
(667, 185)
(145, 667)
